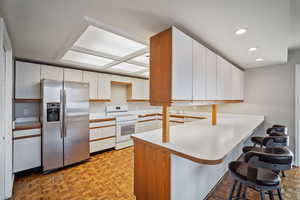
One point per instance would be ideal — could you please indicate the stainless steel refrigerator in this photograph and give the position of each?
(65, 113)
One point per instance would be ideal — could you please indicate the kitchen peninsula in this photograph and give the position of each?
(193, 161)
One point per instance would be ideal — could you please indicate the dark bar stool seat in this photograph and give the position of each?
(274, 140)
(259, 170)
(259, 179)
(275, 130)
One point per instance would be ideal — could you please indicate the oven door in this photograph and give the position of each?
(125, 130)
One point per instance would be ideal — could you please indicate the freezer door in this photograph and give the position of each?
(52, 120)
(76, 133)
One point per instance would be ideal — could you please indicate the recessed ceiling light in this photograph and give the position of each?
(259, 59)
(100, 40)
(82, 58)
(241, 31)
(252, 49)
(127, 67)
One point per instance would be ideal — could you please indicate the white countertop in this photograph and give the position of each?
(202, 141)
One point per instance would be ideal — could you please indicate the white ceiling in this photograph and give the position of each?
(44, 29)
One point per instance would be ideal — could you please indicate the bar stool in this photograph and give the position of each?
(274, 139)
(280, 151)
(275, 130)
(256, 172)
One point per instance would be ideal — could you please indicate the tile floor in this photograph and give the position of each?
(109, 176)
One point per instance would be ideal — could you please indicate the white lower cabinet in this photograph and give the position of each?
(103, 137)
(27, 149)
(102, 144)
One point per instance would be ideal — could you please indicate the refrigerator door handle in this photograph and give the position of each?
(61, 114)
(64, 106)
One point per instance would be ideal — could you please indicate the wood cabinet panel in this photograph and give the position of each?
(161, 68)
(27, 81)
(152, 169)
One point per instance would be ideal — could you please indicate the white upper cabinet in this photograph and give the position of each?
(211, 75)
(123, 79)
(237, 84)
(53, 73)
(199, 71)
(140, 89)
(28, 78)
(224, 79)
(104, 86)
(73, 75)
(92, 79)
(182, 66)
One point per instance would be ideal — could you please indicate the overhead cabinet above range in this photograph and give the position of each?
(183, 70)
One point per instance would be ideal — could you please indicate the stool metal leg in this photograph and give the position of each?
(245, 193)
(239, 191)
(271, 195)
(232, 190)
(262, 195)
(279, 194)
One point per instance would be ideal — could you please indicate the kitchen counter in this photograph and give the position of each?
(202, 142)
(195, 159)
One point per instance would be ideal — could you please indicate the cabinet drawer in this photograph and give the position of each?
(95, 134)
(108, 131)
(27, 153)
(102, 144)
(99, 124)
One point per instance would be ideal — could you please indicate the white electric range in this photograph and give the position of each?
(125, 124)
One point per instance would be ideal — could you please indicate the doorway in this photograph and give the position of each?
(297, 115)
(6, 82)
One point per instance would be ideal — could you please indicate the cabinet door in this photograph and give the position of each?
(53, 73)
(211, 75)
(224, 79)
(139, 89)
(27, 151)
(199, 78)
(28, 77)
(182, 66)
(73, 75)
(242, 84)
(92, 79)
(235, 83)
(104, 86)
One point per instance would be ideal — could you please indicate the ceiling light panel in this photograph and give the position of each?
(259, 59)
(127, 67)
(82, 58)
(142, 59)
(99, 40)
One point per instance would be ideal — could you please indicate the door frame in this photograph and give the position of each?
(297, 115)
(6, 125)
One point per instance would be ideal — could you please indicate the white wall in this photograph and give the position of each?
(270, 91)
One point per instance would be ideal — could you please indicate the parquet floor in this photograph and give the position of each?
(109, 176)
